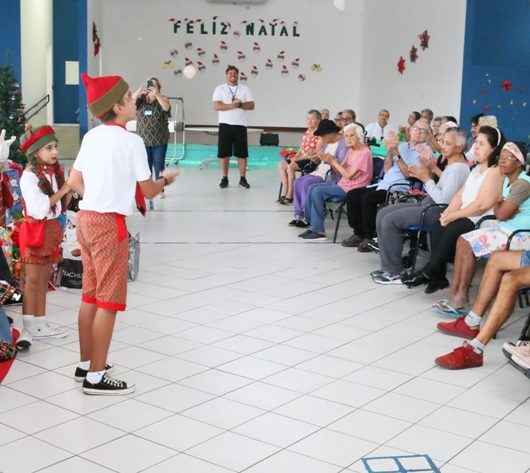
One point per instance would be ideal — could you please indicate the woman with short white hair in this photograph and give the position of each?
(356, 171)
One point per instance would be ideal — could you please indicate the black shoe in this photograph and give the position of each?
(302, 224)
(108, 387)
(366, 246)
(304, 234)
(80, 373)
(352, 241)
(415, 279)
(373, 245)
(311, 235)
(436, 285)
(294, 222)
(244, 183)
(224, 183)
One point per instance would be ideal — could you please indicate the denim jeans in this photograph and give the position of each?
(156, 158)
(316, 203)
(5, 330)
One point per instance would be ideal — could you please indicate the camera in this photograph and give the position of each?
(150, 83)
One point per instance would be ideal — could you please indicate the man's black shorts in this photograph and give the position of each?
(232, 141)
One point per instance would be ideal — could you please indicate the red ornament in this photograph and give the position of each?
(401, 65)
(507, 85)
(413, 54)
(424, 40)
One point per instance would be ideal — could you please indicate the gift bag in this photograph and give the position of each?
(134, 256)
(69, 274)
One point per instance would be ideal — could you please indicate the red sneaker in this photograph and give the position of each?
(458, 328)
(461, 358)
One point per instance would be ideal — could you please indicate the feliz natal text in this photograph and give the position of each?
(221, 28)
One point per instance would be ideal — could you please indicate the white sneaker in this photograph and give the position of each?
(521, 357)
(24, 340)
(45, 330)
(508, 348)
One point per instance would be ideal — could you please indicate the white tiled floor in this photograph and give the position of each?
(254, 351)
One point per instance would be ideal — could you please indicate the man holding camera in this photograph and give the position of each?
(232, 100)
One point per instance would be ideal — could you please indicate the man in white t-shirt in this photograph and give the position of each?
(109, 171)
(381, 128)
(233, 101)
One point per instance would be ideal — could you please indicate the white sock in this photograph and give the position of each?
(40, 321)
(29, 321)
(478, 346)
(84, 365)
(94, 377)
(472, 319)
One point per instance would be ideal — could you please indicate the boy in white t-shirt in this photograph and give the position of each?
(110, 164)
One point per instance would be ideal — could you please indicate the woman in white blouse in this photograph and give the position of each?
(44, 192)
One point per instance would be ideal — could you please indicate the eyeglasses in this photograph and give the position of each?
(509, 157)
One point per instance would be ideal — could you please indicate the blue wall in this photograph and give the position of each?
(10, 35)
(497, 49)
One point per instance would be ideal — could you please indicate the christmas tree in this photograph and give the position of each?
(11, 110)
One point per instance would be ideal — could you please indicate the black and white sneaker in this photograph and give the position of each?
(108, 387)
(244, 183)
(224, 183)
(387, 278)
(311, 235)
(24, 341)
(80, 373)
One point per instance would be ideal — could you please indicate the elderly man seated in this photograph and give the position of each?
(363, 203)
(380, 129)
(506, 273)
(394, 219)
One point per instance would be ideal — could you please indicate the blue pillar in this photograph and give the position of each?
(10, 35)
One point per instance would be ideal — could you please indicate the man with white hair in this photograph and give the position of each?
(393, 220)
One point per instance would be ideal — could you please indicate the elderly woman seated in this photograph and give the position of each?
(512, 212)
(335, 145)
(356, 171)
(309, 148)
(393, 220)
(475, 199)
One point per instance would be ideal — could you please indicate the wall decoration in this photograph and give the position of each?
(188, 61)
(243, 77)
(215, 59)
(237, 34)
(168, 64)
(401, 65)
(281, 55)
(316, 68)
(177, 72)
(254, 71)
(188, 45)
(256, 47)
(301, 77)
(269, 63)
(173, 53)
(96, 42)
(413, 54)
(189, 71)
(424, 40)
(201, 52)
(241, 56)
(284, 71)
(200, 66)
(172, 20)
(223, 45)
(507, 85)
(296, 62)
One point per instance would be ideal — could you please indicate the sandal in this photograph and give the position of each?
(444, 307)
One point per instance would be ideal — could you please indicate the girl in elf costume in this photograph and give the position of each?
(45, 193)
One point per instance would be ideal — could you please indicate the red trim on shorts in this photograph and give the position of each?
(110, 306)
(88, 299)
